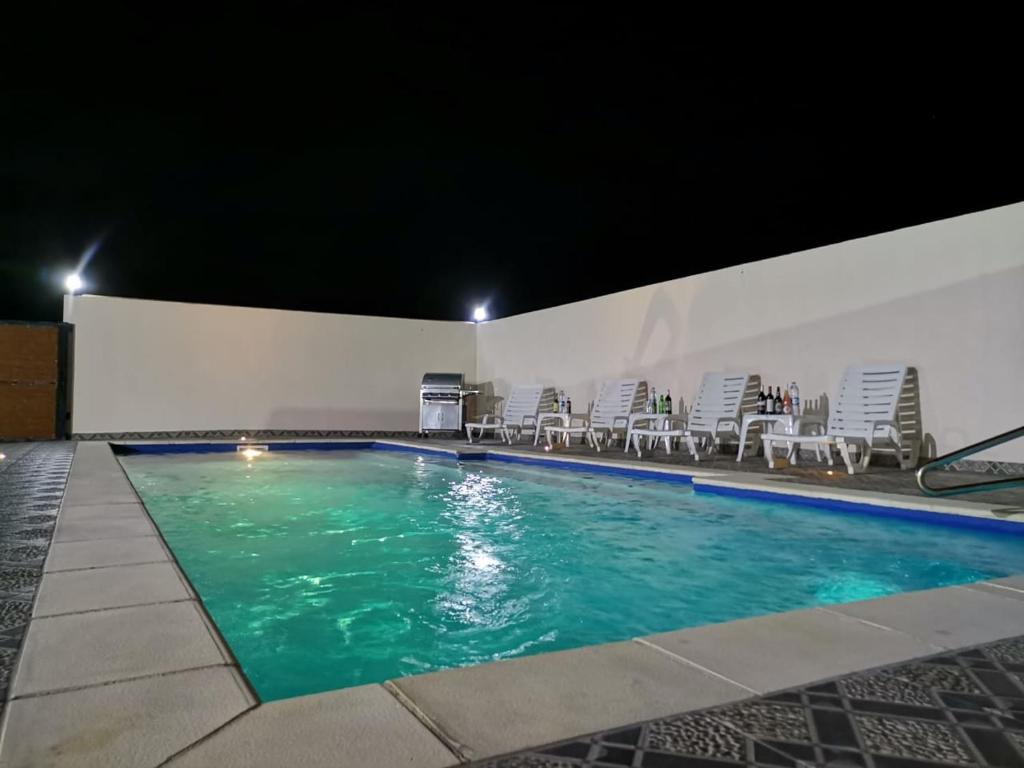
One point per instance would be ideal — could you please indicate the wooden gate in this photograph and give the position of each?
(33, 380)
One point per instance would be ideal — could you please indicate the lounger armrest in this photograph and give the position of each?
(617, 419)
(490, 418)
(529, 418)
(894, 430)
(727, 421)
(812, 420)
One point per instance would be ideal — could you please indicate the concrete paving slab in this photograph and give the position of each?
(359, 726)
(1012, 586)
(90, 529)
(138, 723)
(114, 587)
(951, 617)
(495, 708)
(118, 511)
(104, 646)
(111, 492)
(98, 553)
(783, 650)
(94, 458)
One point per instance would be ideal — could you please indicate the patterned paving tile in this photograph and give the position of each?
(955, 709)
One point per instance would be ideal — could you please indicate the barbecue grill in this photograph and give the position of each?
(442, 402)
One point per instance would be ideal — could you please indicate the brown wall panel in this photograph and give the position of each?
(29, 381)
(27, 411)
(28, 353)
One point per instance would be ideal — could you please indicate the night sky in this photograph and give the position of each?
(414, 166)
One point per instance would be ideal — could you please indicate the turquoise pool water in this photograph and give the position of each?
(330, 569)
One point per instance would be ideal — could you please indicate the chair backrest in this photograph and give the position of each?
(523, 401)
(720, 397)
(866, 395)
(615, 400)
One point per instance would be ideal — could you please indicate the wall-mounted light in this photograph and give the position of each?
(479, 314)
(73, 282)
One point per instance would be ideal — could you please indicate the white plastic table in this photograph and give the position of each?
(658, 420)
(563, 418)
(790, 423)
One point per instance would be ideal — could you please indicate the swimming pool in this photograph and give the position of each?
(326, 569)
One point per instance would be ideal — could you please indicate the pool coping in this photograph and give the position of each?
(434, 719)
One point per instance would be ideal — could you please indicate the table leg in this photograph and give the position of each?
(743, 441)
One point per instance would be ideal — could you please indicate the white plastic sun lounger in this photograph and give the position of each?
(864, 414)
(715, 414)
(609, 416)
(519, 415)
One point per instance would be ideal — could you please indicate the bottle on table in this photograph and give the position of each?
(778, 400)
(762, 407)
(787, 404)
(794, 395)
(554, 404)
(769, 403)
(661, 403)
(652, 404)
(668, 401)
(568, 404)
(561, 401)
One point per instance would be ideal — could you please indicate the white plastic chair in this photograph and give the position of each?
(519, 415)
(607, 419)
(715, 414)
(863, 415)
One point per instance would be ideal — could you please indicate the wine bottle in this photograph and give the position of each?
(668, 401)
(787, 404)
(769, 403)
(568, 404)
(778, 400)
(762, 408)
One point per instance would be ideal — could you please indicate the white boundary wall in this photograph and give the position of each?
(945, 297)
(151, 366)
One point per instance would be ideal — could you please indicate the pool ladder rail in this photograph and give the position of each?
(970, 450)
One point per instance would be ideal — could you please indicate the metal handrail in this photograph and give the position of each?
(949, 458)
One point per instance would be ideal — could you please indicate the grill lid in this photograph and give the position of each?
(442, 381)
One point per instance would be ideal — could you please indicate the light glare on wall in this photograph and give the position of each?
(73, 282)
(479, 314)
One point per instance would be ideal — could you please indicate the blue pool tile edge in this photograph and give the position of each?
(159, 448)
(594, 469)
(452, 454)
(952, 519)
